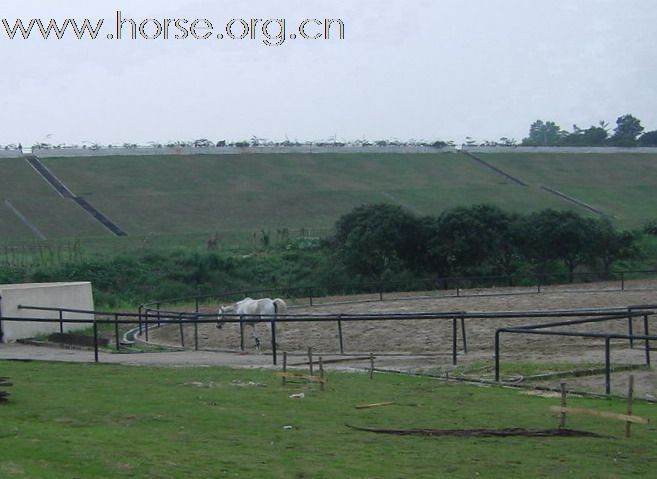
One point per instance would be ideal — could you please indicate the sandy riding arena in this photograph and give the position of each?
(426, 344)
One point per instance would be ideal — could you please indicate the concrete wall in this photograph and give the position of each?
(234, 150)
(55, 295)
(10, 153)
(557, 149)
(313, 149)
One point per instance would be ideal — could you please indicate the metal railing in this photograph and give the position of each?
(637, 311)
(457, 285)
(457, 318)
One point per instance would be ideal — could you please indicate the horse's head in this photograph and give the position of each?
(221, 315)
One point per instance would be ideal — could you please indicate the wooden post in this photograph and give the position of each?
(284, 367)
(562, 417)
(241, 332)
(454, 340)
(116, 332)
(95, 325)
(321, 374)
(310, 360)
(196, 332)
(371, 365)
(182, 332)
(340, 334)
(630, 398)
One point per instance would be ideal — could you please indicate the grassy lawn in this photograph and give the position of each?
(101, 421)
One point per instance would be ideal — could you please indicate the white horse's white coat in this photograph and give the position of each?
(265, 308)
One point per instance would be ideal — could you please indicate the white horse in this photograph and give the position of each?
(253, 309)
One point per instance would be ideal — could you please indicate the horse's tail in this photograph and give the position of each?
(280, 307)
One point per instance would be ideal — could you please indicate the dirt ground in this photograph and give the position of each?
(425, 345)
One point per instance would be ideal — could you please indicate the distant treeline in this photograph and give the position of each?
(379, 244)
(378, 241)
(628, 133)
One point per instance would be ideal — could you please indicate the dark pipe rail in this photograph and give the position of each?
(535, 280)
(591, 315)
(583, 321)
(181, 318)
(540, 329)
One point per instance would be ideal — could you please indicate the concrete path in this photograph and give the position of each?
(211, 358)
(176, 358)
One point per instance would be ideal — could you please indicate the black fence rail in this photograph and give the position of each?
(544, 329)
(456, 318)
(452, 286)
(147, 322)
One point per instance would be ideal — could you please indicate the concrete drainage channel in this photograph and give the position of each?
(66, 193)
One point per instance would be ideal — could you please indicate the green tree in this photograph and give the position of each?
(649, 138)
(476, 239)
(563, 236)
(608, 245)
(544, 134)
(374, 239)
(592, 136)
(628, 128)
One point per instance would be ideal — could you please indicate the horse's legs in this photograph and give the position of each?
(255, 337)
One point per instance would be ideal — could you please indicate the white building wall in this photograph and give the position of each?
(54, 295)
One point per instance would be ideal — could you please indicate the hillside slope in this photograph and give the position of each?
(624, 186)
(176, 194)
(247, 193)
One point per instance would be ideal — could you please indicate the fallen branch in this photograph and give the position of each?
(509, 432)
(605, 414)
(377, 404)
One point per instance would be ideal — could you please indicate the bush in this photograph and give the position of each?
(650, 228)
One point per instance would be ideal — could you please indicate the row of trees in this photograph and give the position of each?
(378, 240)
(628, 133)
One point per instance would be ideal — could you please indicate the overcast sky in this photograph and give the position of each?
(406, 69)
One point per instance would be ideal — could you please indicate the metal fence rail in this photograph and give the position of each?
(535, 282)
(543, 329)
(457, 318)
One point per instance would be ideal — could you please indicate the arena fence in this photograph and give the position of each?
(148, 321)
(452, 286)
(639, 311)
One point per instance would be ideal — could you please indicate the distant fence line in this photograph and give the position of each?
(454, 285)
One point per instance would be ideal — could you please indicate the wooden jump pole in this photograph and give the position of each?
(562, 417)
(630, 398)
(284, 380)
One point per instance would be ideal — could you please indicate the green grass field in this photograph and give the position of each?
(622, 186)
(252, 192)
(237, 196)
(54, 216)
(101, 421)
